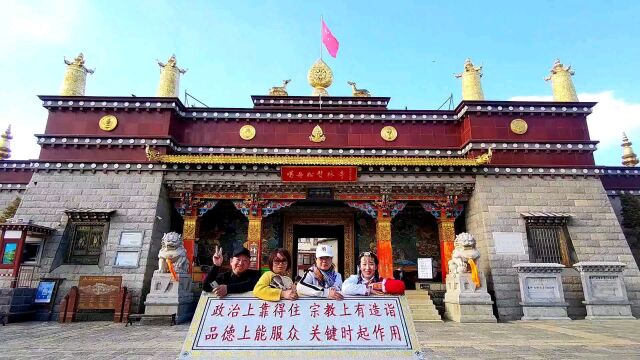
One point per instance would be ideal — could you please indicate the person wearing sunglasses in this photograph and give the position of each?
(367, 281)
(322, 279)
(275, 285)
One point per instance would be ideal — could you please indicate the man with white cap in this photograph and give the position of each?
(321, 279)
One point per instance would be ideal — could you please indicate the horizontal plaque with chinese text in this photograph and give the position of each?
(242, 327)
(319, 173)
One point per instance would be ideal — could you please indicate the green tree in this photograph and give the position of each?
(10, 210)
(630, 211)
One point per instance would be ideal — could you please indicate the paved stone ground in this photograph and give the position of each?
(615, 340)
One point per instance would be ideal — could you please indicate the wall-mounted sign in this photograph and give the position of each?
(9, 253)
(131, 239)
(518, 126)
(425, 268)
(126, 259)
(45, 291)
(319, 173)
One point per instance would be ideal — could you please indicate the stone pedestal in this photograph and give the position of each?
(541, 291)
(465, 303)
(168, 296)
(604, 292)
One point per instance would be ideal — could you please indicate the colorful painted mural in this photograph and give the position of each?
(365, 227)
(223, 226)
(271, 235)
(414, 234)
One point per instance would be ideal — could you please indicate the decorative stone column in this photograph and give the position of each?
(541, 291)
(605, 294)
(467, 299)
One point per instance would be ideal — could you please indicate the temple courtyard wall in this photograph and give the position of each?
(495, 208)
(141, 205)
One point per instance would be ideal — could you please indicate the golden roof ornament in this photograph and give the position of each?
(280, 90)
(629, 158)
(561, 83)
(169, 78)
(471, 86)
(317, 135)
(75, 77)
(320, 78)
(358, 92)
(5, 149)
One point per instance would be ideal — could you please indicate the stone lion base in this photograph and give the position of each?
(169, 297)
(465, 303)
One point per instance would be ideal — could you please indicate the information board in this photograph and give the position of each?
(98, 292)
(425, 268)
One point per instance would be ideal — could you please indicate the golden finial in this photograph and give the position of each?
(280, 90)
(561, 83)
(317, 135)
(471, 86)
(75, 77)
(358, 92)
(5, 150)
(169, 78)
(629, 158)
(320, 78)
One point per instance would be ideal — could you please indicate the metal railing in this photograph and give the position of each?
(27, 277)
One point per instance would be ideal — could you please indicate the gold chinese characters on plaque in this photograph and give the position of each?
(389, 133)
(108, 123)
(247, 132)
(518, 126)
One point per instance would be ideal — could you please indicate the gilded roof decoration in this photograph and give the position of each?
(316, 160)
(320, 78)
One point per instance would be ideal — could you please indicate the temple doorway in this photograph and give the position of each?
(308, 237)
(305, 228)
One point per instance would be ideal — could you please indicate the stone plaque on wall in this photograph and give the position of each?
(508, 243)
(98, 292)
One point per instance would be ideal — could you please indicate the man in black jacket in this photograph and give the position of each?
(239, 280)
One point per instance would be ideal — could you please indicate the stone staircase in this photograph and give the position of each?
(422, 308)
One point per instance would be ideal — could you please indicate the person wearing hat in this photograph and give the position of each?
(321, 279)
(239, 280)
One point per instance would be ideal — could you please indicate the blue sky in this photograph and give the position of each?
(408, 50)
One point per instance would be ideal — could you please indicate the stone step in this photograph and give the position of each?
(421, 306)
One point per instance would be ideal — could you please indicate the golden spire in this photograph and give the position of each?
(320, 78)
(471, 86)
(561, 83)
(169, 78)
(75, 78)
(628, 157)
(5, 150)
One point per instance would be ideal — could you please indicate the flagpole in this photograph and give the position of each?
(321, 20)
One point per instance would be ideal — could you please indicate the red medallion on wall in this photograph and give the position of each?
(319, 173)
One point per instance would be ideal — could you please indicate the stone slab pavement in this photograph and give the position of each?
(581, 339)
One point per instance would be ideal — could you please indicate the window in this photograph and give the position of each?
(31, 251)
(548, 239)
(86, 233)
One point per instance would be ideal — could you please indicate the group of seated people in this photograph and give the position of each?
(320, 280)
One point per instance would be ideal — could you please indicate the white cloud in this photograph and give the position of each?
(610, 118)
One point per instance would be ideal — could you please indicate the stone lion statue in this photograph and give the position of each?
(465, 249)
(173, 250)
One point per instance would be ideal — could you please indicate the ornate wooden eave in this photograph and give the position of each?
(316, 160)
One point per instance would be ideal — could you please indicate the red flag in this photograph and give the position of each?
(329, 40)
